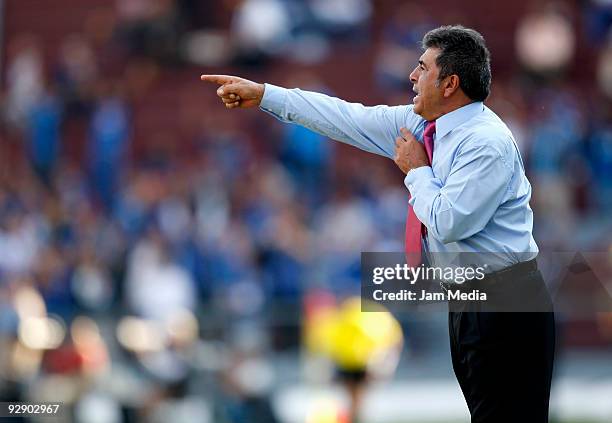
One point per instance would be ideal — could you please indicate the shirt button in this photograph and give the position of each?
(410, 187)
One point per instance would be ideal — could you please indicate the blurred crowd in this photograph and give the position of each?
(187, 264)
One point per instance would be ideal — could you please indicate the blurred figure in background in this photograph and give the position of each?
(255, 42)
(44, 135)
(109, 136)
(76, 75)
(363, 347)
(399, 50)
(24, 78)
(156, 288)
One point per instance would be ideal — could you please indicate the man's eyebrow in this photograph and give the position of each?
(422, 63)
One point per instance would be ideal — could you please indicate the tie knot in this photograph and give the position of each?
(430, 129)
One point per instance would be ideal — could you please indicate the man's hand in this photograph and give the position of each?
(409, 153)
(236, 92)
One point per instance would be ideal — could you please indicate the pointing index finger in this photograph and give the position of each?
(217, 79)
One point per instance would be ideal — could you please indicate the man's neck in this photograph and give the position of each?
(454, 104)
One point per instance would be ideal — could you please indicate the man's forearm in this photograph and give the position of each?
(372, 129)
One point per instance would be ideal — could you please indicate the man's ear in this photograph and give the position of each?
(451, 84)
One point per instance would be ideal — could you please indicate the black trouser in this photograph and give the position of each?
(504, 360)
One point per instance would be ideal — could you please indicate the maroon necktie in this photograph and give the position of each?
(414, 228)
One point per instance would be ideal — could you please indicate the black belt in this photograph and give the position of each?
(521, 269)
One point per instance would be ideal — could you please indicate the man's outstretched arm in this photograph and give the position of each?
(372, 129)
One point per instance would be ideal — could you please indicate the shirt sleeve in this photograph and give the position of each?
(372, 129)
(476, 186)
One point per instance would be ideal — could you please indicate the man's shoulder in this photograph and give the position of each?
(488, 128)
(488, 120)
(487, 132)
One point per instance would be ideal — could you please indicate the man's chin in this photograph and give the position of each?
(417, 107)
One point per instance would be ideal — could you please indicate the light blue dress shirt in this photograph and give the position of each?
(475, 196)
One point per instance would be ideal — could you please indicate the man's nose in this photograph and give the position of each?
(414, 76)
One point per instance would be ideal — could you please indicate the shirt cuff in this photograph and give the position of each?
(416, 176)
(273, 100)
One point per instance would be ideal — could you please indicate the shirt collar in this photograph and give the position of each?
(449, 121)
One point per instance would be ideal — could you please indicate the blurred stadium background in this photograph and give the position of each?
(160, 255)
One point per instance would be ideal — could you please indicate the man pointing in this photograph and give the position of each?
(468, 194)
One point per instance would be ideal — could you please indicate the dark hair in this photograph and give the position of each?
(463, 53)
